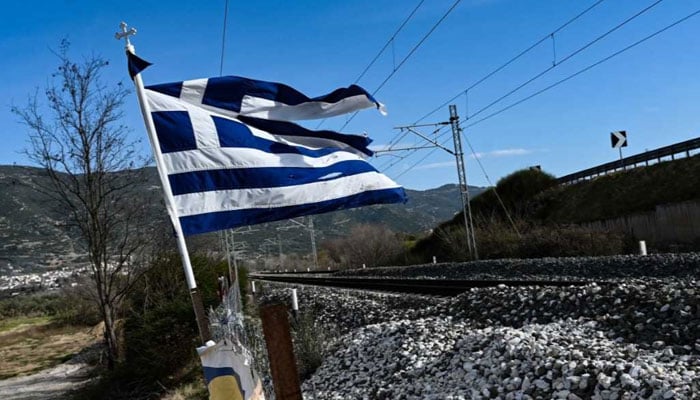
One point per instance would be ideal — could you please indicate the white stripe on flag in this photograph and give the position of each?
(239, 199)
(270, 109)
(162, 102)
(204, 129)
(234, 157)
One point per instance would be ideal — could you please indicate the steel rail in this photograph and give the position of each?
(441, 287)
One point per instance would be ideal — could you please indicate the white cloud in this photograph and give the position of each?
(379, 147)
(488, 154)
(443, 164)
(503, 153)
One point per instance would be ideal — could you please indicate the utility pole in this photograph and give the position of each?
(279, 241)
(458, 153)
(463, 187)
(312, 232)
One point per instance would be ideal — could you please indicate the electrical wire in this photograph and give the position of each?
(559, 82)
(420, 160)
(512, 60)
(488, 180)
(394, 140)
(573, 54)
(403, 61)
(581, 71)
(388, 42)
(223, 40)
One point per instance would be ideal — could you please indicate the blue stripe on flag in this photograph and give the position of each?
(227, 92)
(208, 222)
(174, 130)
(235, 134)
(214, 372)
(171, 89)
(291, 129)
(252, 178)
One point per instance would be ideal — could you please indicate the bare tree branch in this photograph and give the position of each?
(77, 138)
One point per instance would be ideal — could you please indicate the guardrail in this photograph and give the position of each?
(634, 161)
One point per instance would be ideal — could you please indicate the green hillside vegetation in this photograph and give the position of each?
(544, 216)
(635, 191)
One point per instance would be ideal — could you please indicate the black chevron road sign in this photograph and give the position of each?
(618, 139)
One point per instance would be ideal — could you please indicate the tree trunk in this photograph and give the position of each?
(110, 334)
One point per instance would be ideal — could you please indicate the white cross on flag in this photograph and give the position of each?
(618, 139)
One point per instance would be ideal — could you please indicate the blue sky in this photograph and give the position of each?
(652, 91)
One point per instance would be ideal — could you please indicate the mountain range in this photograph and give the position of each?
(32, 237)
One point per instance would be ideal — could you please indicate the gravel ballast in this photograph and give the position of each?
(635, 338)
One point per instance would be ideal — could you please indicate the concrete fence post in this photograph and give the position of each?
(642, 247)
(295, 301)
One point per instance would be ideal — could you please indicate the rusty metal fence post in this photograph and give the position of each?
(283, 367)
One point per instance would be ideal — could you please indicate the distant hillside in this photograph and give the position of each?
(31, 234)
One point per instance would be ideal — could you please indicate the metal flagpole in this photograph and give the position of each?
(196, 297)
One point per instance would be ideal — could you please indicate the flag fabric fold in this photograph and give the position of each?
(136, 64)
(227, 373)
(229, 166)
(268, 100)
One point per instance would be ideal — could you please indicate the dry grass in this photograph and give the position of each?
(30, 344)
(188, 391)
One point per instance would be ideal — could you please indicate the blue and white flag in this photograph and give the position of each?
(233, 164)
(268, 100)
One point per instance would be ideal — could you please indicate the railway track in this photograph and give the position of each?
(439, 287)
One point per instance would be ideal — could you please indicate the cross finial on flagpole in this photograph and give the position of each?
(124, 34)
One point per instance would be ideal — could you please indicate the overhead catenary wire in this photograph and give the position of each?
(223, 39)
(495, 191)
(581, 71)
(511, 60)
(568, 57)
(569, 77)
(403, 61)
(394, 141)
(389, 42)
(394, 162)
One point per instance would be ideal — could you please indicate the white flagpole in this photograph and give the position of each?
(167, 192)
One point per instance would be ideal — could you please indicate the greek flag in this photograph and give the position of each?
(233, 158)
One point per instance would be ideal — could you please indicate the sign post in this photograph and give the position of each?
(618, 140)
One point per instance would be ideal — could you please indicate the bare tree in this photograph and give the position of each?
(76, 136)
(372, 245)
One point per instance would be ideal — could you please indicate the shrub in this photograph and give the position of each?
(308, 338)
(69, 306)
(499, 240)
(372, 245)
(515, 190)
(160, 331)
